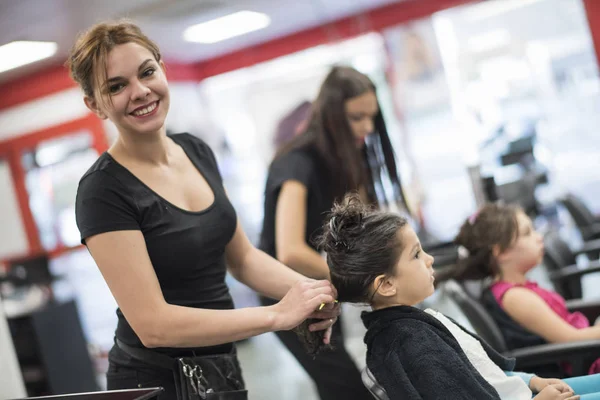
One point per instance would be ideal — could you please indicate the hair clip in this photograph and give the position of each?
(474, 216)
(343, 244)
(323, 305)
(463, 252)
(332, 229)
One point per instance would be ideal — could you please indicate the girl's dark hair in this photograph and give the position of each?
(329, 132)
(493, 225)
(361, 243)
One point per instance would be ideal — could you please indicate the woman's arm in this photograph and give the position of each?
(531, 311)
(257, 269)
(290, 232)
(123, 260)
(269, 277)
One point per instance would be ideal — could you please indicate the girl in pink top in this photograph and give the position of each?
(499, 242)
(552, 299)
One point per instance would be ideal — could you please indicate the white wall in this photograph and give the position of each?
(13, 238)
(11, 382)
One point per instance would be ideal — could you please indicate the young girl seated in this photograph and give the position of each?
(499, 243)
(376, 258)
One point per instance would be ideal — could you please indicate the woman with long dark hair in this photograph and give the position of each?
(345, 147)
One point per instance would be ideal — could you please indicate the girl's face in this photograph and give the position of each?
(413, 279)
(361, 111)
(527, 251)
(137, 87)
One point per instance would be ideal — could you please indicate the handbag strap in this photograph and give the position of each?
(148, 356)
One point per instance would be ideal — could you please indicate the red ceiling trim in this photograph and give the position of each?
(374, 20)
(592, 8)
(56, 78)
(48, 81)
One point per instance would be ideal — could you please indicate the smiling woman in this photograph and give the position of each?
(133, 73)
(154, 214)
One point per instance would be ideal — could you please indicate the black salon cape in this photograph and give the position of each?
(414, 356)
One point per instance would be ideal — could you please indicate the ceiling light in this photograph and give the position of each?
(226, 27)
(17, 54)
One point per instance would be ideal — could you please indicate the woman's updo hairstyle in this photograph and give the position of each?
(88, 57)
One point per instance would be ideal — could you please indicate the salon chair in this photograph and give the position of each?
(585, 220)
(544, 357)
(561, 263)
(372, 385)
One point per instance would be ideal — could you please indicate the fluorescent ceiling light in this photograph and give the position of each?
(226, 27)
(17, 54)
(494, 8)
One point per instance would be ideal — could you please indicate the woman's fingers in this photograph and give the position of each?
(319, 296)
(315, 302)
(324, 324)
(320, 283)
(326, 313)
(327, 337)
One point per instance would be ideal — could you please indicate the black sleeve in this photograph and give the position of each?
(204, 151)
(103, 205)
(425, 366)
(294, 166)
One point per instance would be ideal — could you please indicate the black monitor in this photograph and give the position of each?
(34, 270)
(128, 394)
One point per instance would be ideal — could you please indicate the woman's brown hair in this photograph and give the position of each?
(88, 57)
(329, 132)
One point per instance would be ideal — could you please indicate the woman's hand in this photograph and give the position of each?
(300, 303)
(537, 384)
(555, 392)
(329, 315)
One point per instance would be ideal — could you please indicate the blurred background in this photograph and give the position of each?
(483, 100)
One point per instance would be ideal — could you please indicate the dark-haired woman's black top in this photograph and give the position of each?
(187, 249)
(306, 166)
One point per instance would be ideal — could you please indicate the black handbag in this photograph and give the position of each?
(212, 377)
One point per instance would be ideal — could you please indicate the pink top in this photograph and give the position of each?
(554, 301)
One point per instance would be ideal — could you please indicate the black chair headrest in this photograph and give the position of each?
(478, 316)
(581, 214)
(372, 385)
